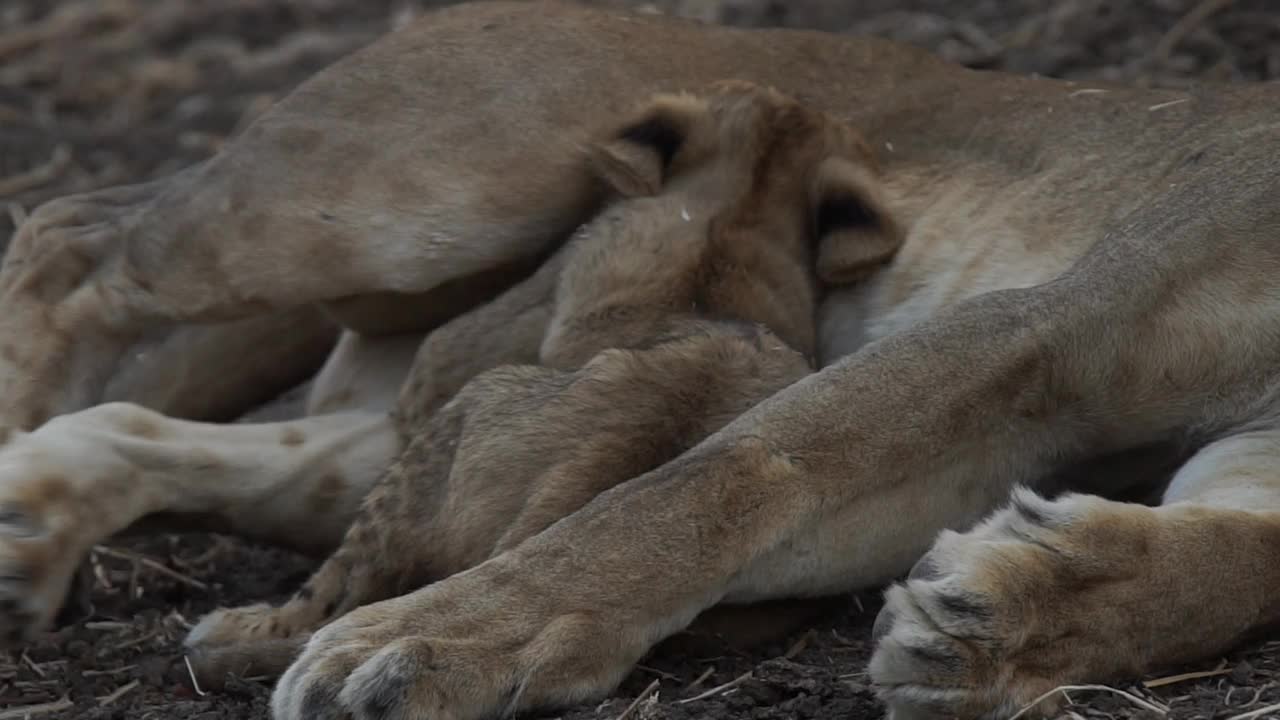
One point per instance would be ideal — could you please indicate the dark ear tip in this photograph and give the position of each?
(844, 211)
(658, 132)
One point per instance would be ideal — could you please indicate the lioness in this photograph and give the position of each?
(672, 315)
(1085, 296)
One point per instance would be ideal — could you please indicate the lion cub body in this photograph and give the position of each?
(678, 308)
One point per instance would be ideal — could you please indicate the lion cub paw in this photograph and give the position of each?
(252, 640)
(1033, 598)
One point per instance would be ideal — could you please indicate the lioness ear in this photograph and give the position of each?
(852, 224)
(634, 159)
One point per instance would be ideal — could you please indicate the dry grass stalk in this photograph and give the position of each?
(1222, 669)
(22, 712)
(1256, 713)
(799, 646)
(1184, 27)
(40, 175)
(152, 564)
(700, 679)
(644, 695)
(1064, 689)
(717, 690)
(118, 693)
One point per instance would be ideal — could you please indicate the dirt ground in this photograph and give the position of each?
(109, 91)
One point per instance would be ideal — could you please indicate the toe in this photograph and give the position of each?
(319, 693)
(383, 687)
(310, 688)
(213, 664)
(32, 590)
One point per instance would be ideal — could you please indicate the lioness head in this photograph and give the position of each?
(732, 204)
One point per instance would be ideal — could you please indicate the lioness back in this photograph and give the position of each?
(989, 196)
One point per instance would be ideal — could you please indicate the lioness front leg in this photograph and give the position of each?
(81, 477)
(563, 616)
(1081, 589)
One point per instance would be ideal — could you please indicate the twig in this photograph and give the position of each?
(653, 686)
(1169, 104)
(136, 641)
(799, 646)
(22, 712)
(1257, 695)
(656, 671)
(1256, 713)
(717, 689)
(26, 659)
(195, 684)
(220, 546)
(39, 175)
(100, 573)
(152, 564)
(135, 582)
(107, 626)
(1184, 26)
(119, 693)
(700, 679)
(1172, 679)
(112, 671)
(1064, 689)
(17, 214)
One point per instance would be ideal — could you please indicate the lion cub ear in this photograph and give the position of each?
(853, 227)
(635, 159)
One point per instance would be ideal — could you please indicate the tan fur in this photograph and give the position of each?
(1084, 296)
(666, 325)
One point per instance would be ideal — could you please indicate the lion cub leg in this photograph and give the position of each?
(518, 449)
(375, 560)
(1082, 589)
(392, 546)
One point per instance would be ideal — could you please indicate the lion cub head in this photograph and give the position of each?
(735, 204)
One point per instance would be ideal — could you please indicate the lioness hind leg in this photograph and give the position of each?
(82, 477)
(85, 282)
(308, 205)
(1049, 593)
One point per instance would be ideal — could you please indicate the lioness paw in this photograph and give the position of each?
(33, 582)
(42, 542)
(462, 649)
(61, 493)
(991, 619)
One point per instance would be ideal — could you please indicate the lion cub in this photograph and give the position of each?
(686, 301)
